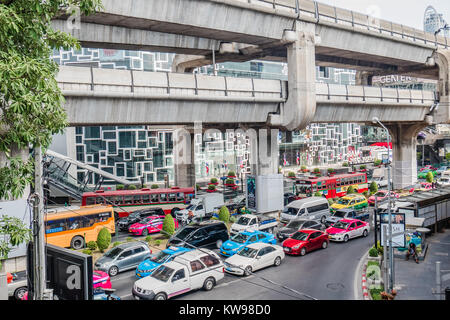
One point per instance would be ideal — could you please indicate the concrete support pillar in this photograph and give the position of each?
(363, 78)
(183, 158)
(299, 109)
(264, 151)
(184, 63)
(404, 145)
(442, 59)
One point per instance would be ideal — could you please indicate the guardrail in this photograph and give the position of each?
(321, 12)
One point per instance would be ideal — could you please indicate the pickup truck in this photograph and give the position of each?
(251, 222)
(347, 214)
(201, 207)
(189, 271)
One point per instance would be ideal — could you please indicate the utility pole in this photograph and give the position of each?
(39, 267)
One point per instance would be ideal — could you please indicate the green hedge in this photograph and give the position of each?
(103, 239)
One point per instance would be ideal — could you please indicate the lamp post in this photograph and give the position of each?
(445, 27)
(375, 120)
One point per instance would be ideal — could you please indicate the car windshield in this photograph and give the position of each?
(184, 232)
(247, 252)
(162, 273)
(340, 225)
(295, 224)
(300, 236)
(380, 194)
(444, 179)
(159, 257)
(145, 220)
(190, 207)
(243, 221)
(114, 252)
(240, 238)
(290, 211)
(343, 201)
(340, 214)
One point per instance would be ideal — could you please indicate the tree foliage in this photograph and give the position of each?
(351, 190)
(168, 226)
(373, 187)
(103, 239)
(12, 233)
(224, 214)
(31, 104)
(430, 177)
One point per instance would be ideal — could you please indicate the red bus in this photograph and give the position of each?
(333, 186)
(127, 201)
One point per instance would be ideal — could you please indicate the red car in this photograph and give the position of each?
(345, 229)
(428, 167)
(101, 279)
(304, 241)
(382, 195)
(151, 224)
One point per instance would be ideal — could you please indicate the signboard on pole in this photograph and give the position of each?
(398, 226)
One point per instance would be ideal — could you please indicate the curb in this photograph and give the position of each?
(365, 290)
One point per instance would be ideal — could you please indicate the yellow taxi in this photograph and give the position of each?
(354, 201)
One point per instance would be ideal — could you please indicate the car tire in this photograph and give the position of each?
(277, 261)
(219, 244)
(20, 292)
(173, 212)
(145, 232)
(77, 243)
(113, 271)
(160, 296)
(345, 238)
(247, 271)
(323, 219)
(365, 233)
(303, 252)
(209, 284)
(324, 245)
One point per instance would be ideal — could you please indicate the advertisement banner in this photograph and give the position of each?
(398, 225)
(251, 193)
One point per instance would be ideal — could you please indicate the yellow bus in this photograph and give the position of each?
(75, 226)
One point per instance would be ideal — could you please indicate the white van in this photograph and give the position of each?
(314, 208)
(191, 270)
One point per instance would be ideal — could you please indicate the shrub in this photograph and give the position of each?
(233, 219)
(231, 174)
(211, 187)
(87, 251)
(447, 156)
(362, 167)
(430, 177)
(103, 239)
(92, 245)
(316, 170)
(291, 174)
(224, 214)
(148, 239)
(330, 170)
(229, 181)
(377, 162)
(168, 227)
(303, 167)
(119, 187)
(380, 248)
(197, 186)
(214, 180)
(317, 194)
(350, 190)
(158, 242)
(154, 186)
(373, 252)
(345, 164)
(116, 243)
(132, 187)
(373, 187)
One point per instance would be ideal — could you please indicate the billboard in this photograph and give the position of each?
(398, 225)
(69, 273)
(251, 193)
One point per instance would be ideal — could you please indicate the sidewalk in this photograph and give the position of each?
(416, 281)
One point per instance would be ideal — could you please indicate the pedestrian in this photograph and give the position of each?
(412, 252)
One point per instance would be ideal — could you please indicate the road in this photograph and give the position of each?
(326, 274)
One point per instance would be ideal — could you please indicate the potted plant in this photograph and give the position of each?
(330, 171)
(211, 188)
(377, 162)
(362, 168)
(291, 174)
(231, 174)
(316, 171)
(345, 164)
(304, 169)
(230, 182)
(213, 181)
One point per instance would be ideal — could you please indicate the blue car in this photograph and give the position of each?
(242, 239)
(146, 267)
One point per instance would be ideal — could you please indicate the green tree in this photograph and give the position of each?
(103, 239)
(120, 187)
(12, 233)
(213, 180)
(291, 174)
(430, 177)
(224, 214)
(373, 187)
(132, 187)
(154, 186)
(168, 227)
(31, 104)
(231, 174)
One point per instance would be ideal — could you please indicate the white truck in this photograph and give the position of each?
(201, 207)
(189, 271)
(251, 222)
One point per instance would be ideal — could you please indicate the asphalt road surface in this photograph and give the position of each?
(325, 274)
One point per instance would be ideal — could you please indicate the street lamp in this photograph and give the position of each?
(375, 120)
(445, 27)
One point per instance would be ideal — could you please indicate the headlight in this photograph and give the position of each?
(296, 246)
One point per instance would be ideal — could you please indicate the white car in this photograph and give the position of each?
(253, 257)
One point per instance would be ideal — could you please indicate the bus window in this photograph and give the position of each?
(163, 197)
(154, 198)
(137, 199)
(118, 200)
(180, 196)
(74, 223)
(172, 197)
(109, 200)
(55, 226)
(146, 198)
(90, 201)
(128, 199)
(100, 200)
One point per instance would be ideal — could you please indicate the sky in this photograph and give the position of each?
(407, 12)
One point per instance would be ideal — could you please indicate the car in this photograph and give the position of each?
(442, 169)
(253, 257)
(150, 224)
(105, 294)
(240, 240)
(443, 181)
(17, 284)
(304, 241)
(124, 223)
(288, 197)
(101, 280)
(346, 229)
(381, 195)
(295, 225)
(423, 174)
(200, 234)
(123, 257)
(355, 201)
(428, 167)
(147, 266)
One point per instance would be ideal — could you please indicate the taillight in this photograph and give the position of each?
(223, 270)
